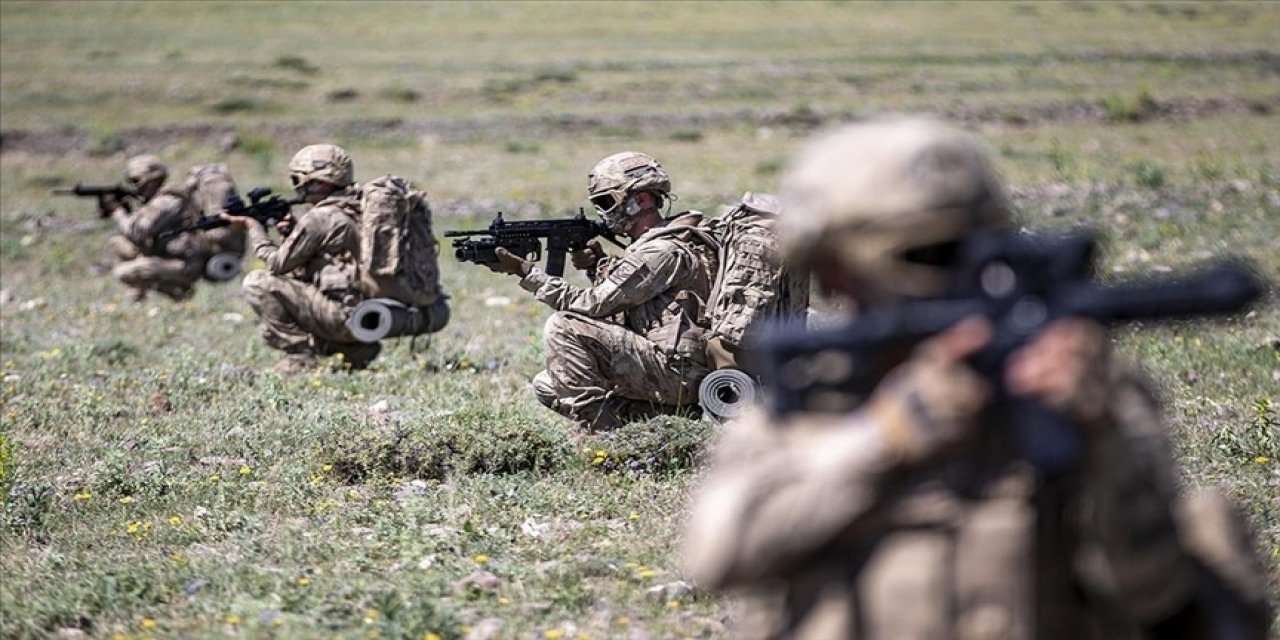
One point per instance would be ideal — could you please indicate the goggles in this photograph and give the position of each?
(607, 202)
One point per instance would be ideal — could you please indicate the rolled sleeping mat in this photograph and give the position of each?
(378, 318)
(727, 393)
(222, 267)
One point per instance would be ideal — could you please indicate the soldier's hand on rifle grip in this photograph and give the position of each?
(1066, 367)
(588, 257)
(285, 225)
(509, 263)
(932, 399)
(107, 205)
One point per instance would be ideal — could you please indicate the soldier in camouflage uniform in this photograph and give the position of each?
(309, 288)
(145, 262)
(632, 344)
(911, 517)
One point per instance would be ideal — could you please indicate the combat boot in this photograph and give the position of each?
(177, 293)
(296, 363)
(359, 355)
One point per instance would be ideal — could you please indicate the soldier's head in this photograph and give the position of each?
(628, 190)
(144, 175)
(877, 209)
(320, 169)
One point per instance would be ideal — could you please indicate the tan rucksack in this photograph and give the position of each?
(209, 186)
(398, 251)
(752, 284)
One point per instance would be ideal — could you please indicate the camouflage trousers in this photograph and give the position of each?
(297, 318)
(601, 375)
(172, 276)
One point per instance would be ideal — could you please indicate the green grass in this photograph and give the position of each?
(157, 482)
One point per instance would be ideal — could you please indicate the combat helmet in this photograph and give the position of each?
(143, 169)
(887, 200)
(325, 163)
(619, 175)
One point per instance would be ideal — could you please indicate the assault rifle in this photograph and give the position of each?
(524, 238)
(1020, 284)
(113, 191)
(263, 207)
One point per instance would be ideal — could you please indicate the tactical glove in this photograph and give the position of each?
(510, 263)
(1066, 367)
(931, 400)
(588, 257)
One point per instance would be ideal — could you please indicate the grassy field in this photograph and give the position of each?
(158, 482)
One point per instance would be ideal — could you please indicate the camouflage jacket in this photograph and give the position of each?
(322, 248)
(828, 535)
(658, 288)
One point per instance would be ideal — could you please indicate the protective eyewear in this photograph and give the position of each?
(608, 201)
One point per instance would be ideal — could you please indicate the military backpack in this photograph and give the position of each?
(398, 250)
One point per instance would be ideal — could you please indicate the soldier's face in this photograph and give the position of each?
(146, 189)
(833, 279)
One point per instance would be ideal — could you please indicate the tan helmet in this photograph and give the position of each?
(619, 175)
(145, 168)
(326, 163)
(879, 197)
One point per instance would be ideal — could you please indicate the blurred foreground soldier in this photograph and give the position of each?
(172, 265)
(632, 345)
(912, 517)
(305, 295)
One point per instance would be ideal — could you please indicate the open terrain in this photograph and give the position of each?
(156, 481)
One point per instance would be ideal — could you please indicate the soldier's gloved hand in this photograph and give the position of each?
(240, 222)
(108, 204)
(1066, 367)
(931, 400)
(510, 263)
(285, 225)
(588, 257)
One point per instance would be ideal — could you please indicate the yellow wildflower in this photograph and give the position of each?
(126, 500)
(552, 634)
(504, 600)
(645, 574)
(634, 516)
(370, 616)
(245, 470)
(431, 636)
(601, 453)
(630, 565)
(232, 619)
(148, 623)
(175, 520)
(673, 604)
(304, 581)
(327, 468)
(481, 558)
(82, 497)
(215, 478)
(1262, 459)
